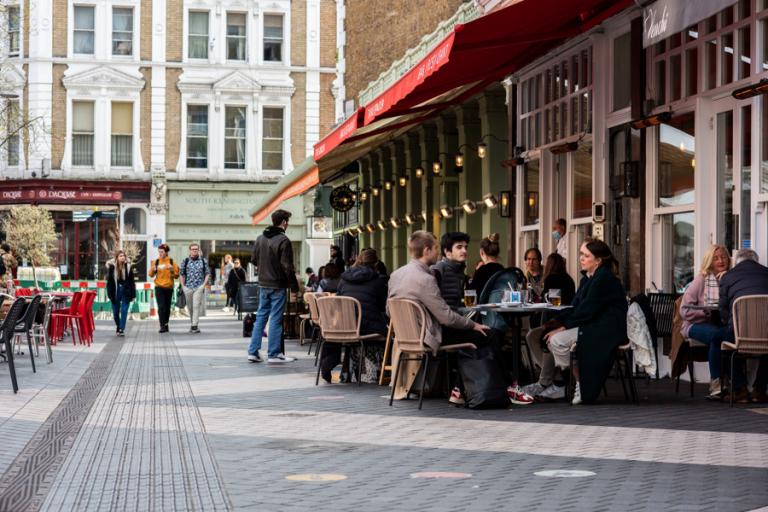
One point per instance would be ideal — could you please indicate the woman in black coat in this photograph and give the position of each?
(363, 282)
(597, 323)
(121, 289)
(232, 286)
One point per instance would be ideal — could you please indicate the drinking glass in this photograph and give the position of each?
(470, 297)
(553, 297)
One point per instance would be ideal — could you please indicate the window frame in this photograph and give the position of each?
(112, 135)
(264, 38)
(17, 31)
(74, 133)
(264, 138)
(75, 29)
(227, 138)
(227, 37)
(13, 110)
(190, 35)
(187, 136)
(132, 32)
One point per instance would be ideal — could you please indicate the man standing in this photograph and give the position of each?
(747, 277)
(336, 258)
(414, 281)
(273, 258)
(558, 233)
(449, 271)
(194, 275)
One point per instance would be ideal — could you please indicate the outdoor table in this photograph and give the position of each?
(714, 311)
(514, 314)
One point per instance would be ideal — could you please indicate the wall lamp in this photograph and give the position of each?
(751, 90)
(505, 206)
(490, 201)
(446, 212)
(564, 148)
(469, 206)
(410, 219)
(382, 225)
(395, 222)
(402, 180)
(663, 117)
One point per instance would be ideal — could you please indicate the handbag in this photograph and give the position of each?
(181, 299)
(484, 383)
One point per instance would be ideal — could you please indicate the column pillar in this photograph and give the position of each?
(448, 192)
(399, 204)
(428, 148)
(385, 206)
(470, 182)
(413, 192)
(493, 120)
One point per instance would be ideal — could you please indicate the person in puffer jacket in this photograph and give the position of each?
(450, 271)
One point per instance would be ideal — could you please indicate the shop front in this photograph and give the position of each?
(92, 220)
(216, 215)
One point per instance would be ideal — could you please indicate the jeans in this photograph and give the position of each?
(163, 297)
(712, 336)
(271, 307)
(120, 308)
(195, 303)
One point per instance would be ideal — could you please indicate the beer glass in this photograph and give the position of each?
(470, 297)
(553, 297)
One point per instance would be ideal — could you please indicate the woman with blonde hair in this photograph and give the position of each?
(704, 290)
(121, 289)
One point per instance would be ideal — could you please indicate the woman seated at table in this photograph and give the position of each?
(331, 279)
(534, 273)
(596, 324)
(556, 278)
(704, 290)
(489, 255)
(363, 282)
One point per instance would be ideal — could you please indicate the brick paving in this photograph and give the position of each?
(184, 422)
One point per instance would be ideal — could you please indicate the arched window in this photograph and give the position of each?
(134, 221)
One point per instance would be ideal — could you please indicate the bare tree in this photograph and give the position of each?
(31, 232)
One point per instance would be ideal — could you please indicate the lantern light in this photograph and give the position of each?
(363, 195)
(469, 206)
(419, 172)
(410, 219)
(388, 185)
(376, 189)
(382, 225)
(437, 167)
(370, 228)
(482, 150)
(459, 159)
(446, 211)
(395, 222)
(490, 200)
(402, 180)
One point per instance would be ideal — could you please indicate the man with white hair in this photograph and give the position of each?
(747, 277)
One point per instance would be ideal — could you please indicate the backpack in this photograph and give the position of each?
(157, 262)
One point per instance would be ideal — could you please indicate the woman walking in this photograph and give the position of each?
(164, 270)
(121, 289)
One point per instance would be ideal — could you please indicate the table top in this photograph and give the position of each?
(526, 309)
(701, 307)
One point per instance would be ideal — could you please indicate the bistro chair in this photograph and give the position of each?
(40, 331)
(313, 318)
(339, 319)
(6, 336)
(663, 308)
(409, 323)
(24, 327)
(750, 331)
(67, 318)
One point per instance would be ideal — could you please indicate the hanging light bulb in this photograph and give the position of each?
(469, 206)
(446, 211)
(360, 228)
(363, 195)
(402, 180)
(459, 159)
(370, 228)
(376, 189)
(490, 201)
(395, 222)
(419, 171)
(424, 215)
(354, 197)
(410, 219)
(388, 185)
(482, 150)
(382, 225)
(437, 166)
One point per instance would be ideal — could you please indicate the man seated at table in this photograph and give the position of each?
(450, 270)
(747, 277)
(444, 325)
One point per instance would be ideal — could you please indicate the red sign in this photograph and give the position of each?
(17, 195)
(60, 195)
(337, 136)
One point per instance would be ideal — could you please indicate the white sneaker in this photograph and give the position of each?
(280, 358)
(225, 309)
(576, 395)
(534, 389)
(553, 392)
(255, 358)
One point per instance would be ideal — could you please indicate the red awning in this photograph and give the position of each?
(471, 58)
(338, 135)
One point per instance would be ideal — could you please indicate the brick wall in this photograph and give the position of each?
(327, 104)
(172, 118)
(379, 32)
(58, 116)
(145, 111)
(59, 29)
(25, 28)
(299, 33)
(299, 118)
(328, 33)
(174, 30)
(146, 29)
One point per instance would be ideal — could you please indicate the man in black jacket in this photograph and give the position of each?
(449, 271)
(747, 277)
(273, 258)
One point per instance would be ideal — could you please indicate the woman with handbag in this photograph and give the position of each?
(121, 289)
(164, 270)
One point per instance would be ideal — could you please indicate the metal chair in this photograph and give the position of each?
(750, 330)
(24, 327)
(40, 330)
(6, 335)
(409, 323)
(340, 319)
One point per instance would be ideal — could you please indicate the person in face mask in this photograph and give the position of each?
(558, 233)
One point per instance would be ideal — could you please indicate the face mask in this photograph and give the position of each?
(556, 235)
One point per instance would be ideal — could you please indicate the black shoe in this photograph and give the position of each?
(194, 330)
(163, 328)
(120, 333)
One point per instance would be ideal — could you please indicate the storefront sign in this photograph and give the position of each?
(59, 195)
(666, 17)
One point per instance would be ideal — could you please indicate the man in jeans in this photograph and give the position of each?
(273, 258)
(194, 276)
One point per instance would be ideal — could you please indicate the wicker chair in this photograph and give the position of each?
(314, 319)
(750, 330)
(340, 319)
(409, 323)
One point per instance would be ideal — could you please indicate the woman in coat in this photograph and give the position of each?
(121, 289)
(596, 324)
(234, 278)
(363, 282)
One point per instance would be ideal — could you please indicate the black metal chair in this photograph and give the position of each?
(24, 327)
(622, 356)
(7, 329)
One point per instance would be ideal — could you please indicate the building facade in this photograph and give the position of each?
(203, 105)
